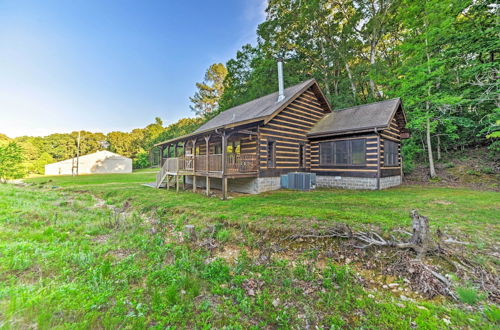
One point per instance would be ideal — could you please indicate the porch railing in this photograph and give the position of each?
(170, 165)
(235, 163)
(215, 163)
(241, 163)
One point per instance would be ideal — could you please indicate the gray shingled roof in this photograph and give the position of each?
(358, 118)
(258, 108)
(255, 110)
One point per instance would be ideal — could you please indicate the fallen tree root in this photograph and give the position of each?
(421, 241)
(424, 277)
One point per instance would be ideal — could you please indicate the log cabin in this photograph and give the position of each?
(248, 147)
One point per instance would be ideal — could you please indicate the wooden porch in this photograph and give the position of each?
(219, 155)
(235, 165)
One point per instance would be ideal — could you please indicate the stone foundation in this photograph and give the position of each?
(242, 185)
(259, 185)
(390, 181)
(346, 182)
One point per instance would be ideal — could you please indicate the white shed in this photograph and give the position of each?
(98, 162)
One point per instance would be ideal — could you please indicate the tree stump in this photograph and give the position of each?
(190, 232)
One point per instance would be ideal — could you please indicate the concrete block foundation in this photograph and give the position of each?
(327, 181)
(242, 185)
(259, 185)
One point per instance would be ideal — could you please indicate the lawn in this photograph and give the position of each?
(67, 260)
(457, 210)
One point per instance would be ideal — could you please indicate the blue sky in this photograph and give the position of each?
(104, 65)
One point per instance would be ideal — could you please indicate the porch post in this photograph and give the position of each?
(224, 152)
(161, 155)
(194, 164)
(207, 153)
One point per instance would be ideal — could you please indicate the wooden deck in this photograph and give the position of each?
(212, 166)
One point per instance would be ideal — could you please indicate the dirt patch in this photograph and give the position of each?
(443, 202)
(101, 239)
(231, 252)
(119, 254)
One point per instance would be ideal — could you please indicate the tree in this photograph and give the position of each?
(206, 99)
(122, 143)
(39, 164)
(4, 139)
(11, 162)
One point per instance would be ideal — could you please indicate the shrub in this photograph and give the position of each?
(473, 172)
(223, 235)
(487, 170)
(141, 160)
(448, 165)
(469, 295)
(217, 271)
(492, 313)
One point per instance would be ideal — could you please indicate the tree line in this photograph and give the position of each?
(27, 155)
(439, 56)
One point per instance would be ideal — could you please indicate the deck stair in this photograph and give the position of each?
(169, 168)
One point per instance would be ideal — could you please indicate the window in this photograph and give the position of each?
(216, 149)
(391, 154)
(358, 152)
(344, 152)
(233, 147)
(271, 154)
(302, 155)
(341, 152)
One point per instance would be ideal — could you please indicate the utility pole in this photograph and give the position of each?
(77, 152)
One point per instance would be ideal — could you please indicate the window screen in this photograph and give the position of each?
(326, 153)
(341, 153)
(391, 153)
(358, 152)
(344, 152)
(271, 154)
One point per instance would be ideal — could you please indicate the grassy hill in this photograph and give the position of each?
(105, 251)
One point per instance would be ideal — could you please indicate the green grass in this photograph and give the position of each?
(459, 210)
(66, 263)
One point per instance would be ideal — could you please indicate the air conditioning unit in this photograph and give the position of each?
(298, 181)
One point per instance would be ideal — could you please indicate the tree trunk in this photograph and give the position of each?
(432, 170)
(372, 63)
(349, 74)
(438, 147)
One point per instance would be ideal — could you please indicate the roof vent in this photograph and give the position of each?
(281, 91)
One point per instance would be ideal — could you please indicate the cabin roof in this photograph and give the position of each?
(258, 108)
(359, 118)
(262, 108)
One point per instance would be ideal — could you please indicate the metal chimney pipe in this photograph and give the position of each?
(281, 89)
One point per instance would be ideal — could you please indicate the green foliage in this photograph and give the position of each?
(206, 99)
(469, 295)
(4, 139)
(223, 235)
(39, 164)
(11, 158)
(492, 312)
(141, 160)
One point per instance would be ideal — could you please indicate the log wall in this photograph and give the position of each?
(288, 130)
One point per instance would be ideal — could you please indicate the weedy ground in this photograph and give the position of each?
(72, 255)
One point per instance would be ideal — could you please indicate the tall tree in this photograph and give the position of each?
(11, 162)
(206, 99)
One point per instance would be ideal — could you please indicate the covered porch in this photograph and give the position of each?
(223, 155)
